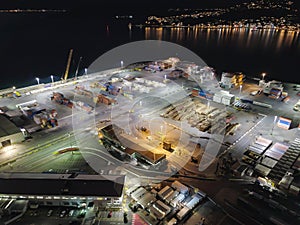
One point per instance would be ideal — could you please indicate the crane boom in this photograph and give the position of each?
(68, 64)
(76, 73)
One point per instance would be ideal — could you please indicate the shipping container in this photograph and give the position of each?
(193, 202)
(162, 207)
(183, 212)
(165, 192)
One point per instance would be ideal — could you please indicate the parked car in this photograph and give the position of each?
(71, 213)
(50, 212)
(109, 215)
(253, 93)
(286, 99)
(63, 213)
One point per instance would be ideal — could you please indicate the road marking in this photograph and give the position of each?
(238, 140)
(248, 131)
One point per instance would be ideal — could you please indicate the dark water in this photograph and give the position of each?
(276, 53)
(37, 45)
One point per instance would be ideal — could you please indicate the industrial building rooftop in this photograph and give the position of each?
(7, 127)
(61, 184)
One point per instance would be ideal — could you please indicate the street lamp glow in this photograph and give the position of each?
(85, 71)
(122, 63)
(52, 78)
(241, 86)
(37, 80)
(263, 75)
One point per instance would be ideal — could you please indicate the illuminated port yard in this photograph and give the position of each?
(156, 142)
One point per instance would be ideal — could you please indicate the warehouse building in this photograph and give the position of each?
(9, 132)
(60, 189)
(146, 200)
(112, 136)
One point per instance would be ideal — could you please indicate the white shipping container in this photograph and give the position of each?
(217, 98)
(226, 101)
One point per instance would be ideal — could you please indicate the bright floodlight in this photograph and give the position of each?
(241, 86)
(52, 78)
(263, 75)
(38, 80)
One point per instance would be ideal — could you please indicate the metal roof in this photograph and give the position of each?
(7, 127)
(61, 184)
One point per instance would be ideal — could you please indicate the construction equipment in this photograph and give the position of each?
(68, 65)
(76, 73)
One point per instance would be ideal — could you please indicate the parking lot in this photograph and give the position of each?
(50, 216)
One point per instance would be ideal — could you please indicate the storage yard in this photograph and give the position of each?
(153, 117)
(199, 115)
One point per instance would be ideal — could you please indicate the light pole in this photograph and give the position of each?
(241, 86)
(263, 75)
(85, 71)
(38, 80)
(122, 63)
(275, 119)
(52, 78)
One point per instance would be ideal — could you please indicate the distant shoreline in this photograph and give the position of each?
(218, 27)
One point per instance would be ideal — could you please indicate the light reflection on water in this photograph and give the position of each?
(267, 38)
(273, 51)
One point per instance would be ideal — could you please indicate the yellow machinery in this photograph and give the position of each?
(68, 64)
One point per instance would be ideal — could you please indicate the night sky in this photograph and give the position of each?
(114, 5)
